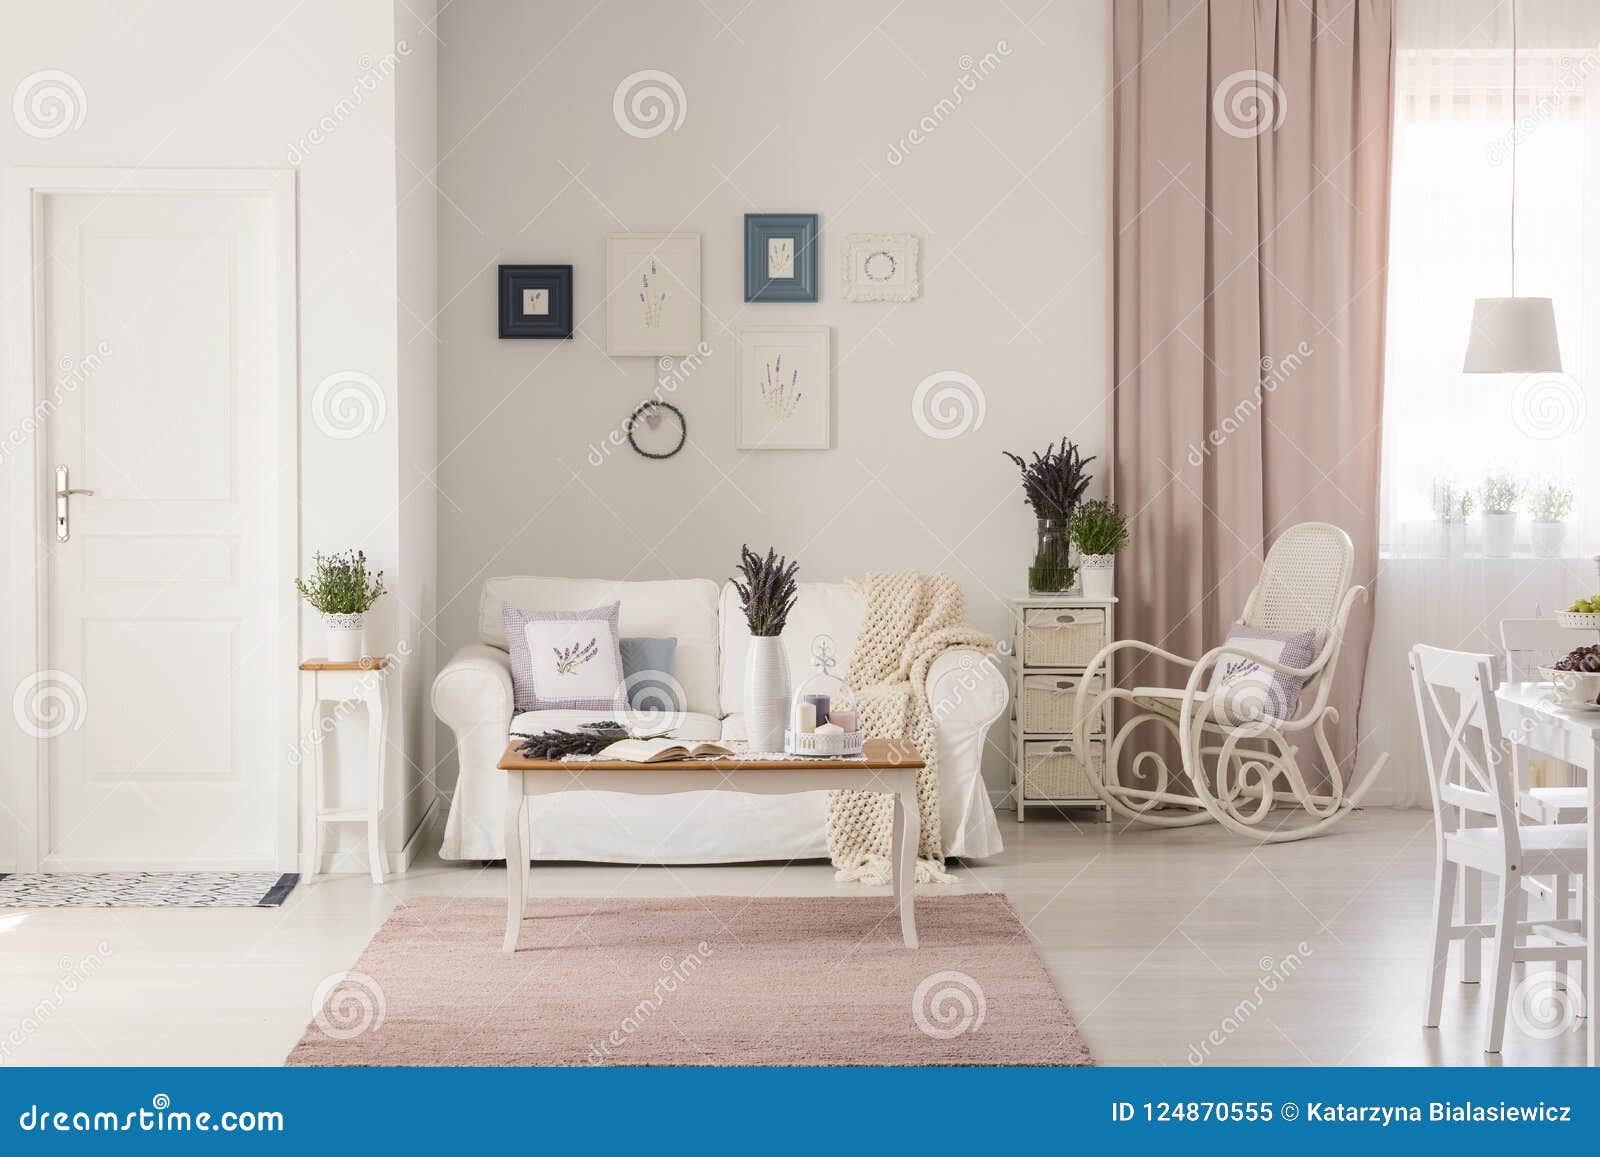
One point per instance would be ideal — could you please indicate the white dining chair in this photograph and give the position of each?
(1469, 775)
(1530, 644)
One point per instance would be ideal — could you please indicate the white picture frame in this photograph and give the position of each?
(783, 388)
(882, 267)
(652, 294)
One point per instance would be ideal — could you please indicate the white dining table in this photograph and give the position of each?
(1531, 719)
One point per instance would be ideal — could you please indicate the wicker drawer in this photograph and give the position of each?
(1065, 637)
(1053, 769)
(1048, 703)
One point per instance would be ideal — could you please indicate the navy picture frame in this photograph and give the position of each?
(760, 230)
(555, 282)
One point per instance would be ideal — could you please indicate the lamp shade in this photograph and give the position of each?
(1513, 335)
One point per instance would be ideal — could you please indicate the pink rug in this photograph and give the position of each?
(715, 980)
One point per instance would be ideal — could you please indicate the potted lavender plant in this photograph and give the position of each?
(767, 594)
(1501, 493)
(1452, 506)
(342, 592)
(1052, 484)
(1549, 504)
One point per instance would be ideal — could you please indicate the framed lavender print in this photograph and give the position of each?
(780, 257)
(652, 294)
(783, 398)
(881, 267)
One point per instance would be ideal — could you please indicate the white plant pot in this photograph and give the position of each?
(347, 637)
(1099, 573)
(766, 692)
(1452, 539)
(1499, 532)
(1547, 538)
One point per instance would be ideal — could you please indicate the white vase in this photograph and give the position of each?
(347, 637)
(1547, 538)
(1452, 539)
(766, 692)
(1099, 573)
(1499, 532)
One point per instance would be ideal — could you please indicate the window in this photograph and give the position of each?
(1450, 243)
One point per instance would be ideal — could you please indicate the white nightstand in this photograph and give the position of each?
(1053, 637)
(363, 681)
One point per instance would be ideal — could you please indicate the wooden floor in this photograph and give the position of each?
(1170, 947)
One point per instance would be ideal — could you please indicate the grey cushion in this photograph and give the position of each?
(647, 670)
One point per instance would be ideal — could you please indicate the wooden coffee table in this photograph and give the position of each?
(890, 766)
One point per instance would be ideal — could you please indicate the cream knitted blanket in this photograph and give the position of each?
(911, 620)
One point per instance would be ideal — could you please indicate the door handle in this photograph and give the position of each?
(64, 493)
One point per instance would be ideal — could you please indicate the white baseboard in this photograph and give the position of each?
(354, 860)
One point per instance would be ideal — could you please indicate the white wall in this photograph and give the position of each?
(238, 83)
(793, 107)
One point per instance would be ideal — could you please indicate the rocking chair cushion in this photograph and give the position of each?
(1244, 690)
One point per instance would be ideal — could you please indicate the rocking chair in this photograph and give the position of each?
(1238, 761)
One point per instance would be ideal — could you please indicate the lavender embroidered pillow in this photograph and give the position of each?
(565, 659)
(1243, 690)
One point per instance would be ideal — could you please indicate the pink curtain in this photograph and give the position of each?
(1251, 170)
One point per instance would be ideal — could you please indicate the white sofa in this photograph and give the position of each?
(473, 696)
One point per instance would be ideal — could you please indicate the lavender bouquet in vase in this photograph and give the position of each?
(1053, 483)
(767, 592)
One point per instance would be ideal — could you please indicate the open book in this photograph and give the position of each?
(660, 750)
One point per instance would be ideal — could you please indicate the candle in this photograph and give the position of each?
(820, 702)
(830, 729)
(805, 718)
(844, 718)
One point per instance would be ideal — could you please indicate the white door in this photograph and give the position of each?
(158, 325)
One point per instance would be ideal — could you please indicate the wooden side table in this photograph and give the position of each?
(889, 766)
(363, 681)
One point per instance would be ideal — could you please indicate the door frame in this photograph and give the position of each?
(24, 639)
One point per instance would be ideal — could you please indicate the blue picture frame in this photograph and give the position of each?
(780, 257)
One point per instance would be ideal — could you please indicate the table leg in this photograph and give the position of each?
(516, 860)
(907, 835)
(377, 743)
(1591, 911)
(310, 779)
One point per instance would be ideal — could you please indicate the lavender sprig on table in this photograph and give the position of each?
(768, 591)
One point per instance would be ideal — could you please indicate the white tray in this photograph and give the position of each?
(810, 744)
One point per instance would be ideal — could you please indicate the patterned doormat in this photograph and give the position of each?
(146, 889)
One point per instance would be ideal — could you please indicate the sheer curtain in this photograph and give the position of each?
(1449, 243)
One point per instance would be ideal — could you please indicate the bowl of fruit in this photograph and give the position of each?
(1576, 678)
(1583, 615)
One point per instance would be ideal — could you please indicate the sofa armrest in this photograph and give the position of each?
(966, 690)
(474, 691)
